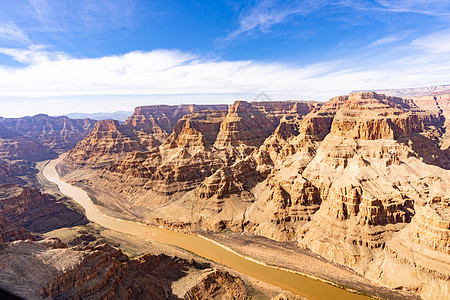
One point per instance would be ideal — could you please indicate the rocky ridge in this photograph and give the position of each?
(147, 128)
(29, 208)
(361, 180)
(10, 233)
(56, 133)
(93, 272)
(15, 146)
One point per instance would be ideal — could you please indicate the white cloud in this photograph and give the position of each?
(81, 15)
(426, 7)
(161, 75)
(35, 54)
(437, 42)
(386, 40)
(267, 13)
(10, 32)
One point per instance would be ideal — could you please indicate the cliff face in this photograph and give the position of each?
(207, 156)
(10, 233)
(13, 146)
(27, 207)
(148, 127)
(362, 180)
(49, 269)
(57, 133)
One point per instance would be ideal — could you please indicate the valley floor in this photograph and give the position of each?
(270, 252)
(291, 257)
(135, 246)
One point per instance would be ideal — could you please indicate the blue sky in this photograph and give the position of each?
(97, 55)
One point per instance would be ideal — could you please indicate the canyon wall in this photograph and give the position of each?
(362, 180)
(49, 269)
(56, 133)
(29, 208)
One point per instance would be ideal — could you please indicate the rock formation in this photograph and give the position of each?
(57, 133)
(28, 207)
(148, 127)
(10, 233)
(218, 285)
(362, 180)
(14, 145)
(50, 269)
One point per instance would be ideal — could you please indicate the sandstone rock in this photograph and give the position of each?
(27, 207)
(218, 285)
(9, 233)
(14, 145)
(361, 180)
(49, 269)
(57, 133)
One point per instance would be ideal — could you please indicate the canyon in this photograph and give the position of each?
(359, 183)
(361, 180)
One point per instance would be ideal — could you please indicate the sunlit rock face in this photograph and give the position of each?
(51, 269)
(362, 179)
(57, 133)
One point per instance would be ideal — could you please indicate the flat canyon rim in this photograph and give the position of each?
(295, 283)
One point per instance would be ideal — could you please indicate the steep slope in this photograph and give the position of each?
(362, 180)
(207, 156)
(15, 146)
(57, 133)
(146, 128)
(433, 98)
(373, 181)
(49, 269)
(27, 207)
(10, 233)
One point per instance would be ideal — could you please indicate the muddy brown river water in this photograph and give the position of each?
(295, 283)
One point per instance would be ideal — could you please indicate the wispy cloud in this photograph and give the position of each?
(81, 16)
(387, 40)
(10, 32)
(34, 55)
(261, 17)
(267, 13)
(437, 42)
(426, 7)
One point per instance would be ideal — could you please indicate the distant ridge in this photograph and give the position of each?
(411, 92)
(118, 115)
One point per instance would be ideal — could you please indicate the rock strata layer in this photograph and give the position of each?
(29, 208)
(57, 133)
(49, 269)
(362, 180)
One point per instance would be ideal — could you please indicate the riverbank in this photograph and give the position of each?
(136, 246)
(300, 285)
(289, 257)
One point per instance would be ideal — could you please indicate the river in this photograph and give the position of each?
(295, 283)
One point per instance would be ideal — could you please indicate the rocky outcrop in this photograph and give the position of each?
(438, 103)
(250, 124)
(15, 146)
(433, 98)
(27, 207)
(147, 128)
(218, 285)
(361, 180)
(56, 133)
(372, 181)
(17, 171)
(10, 233)
(107, 141)
(207, 156)
(49, 269)
(162, 118)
